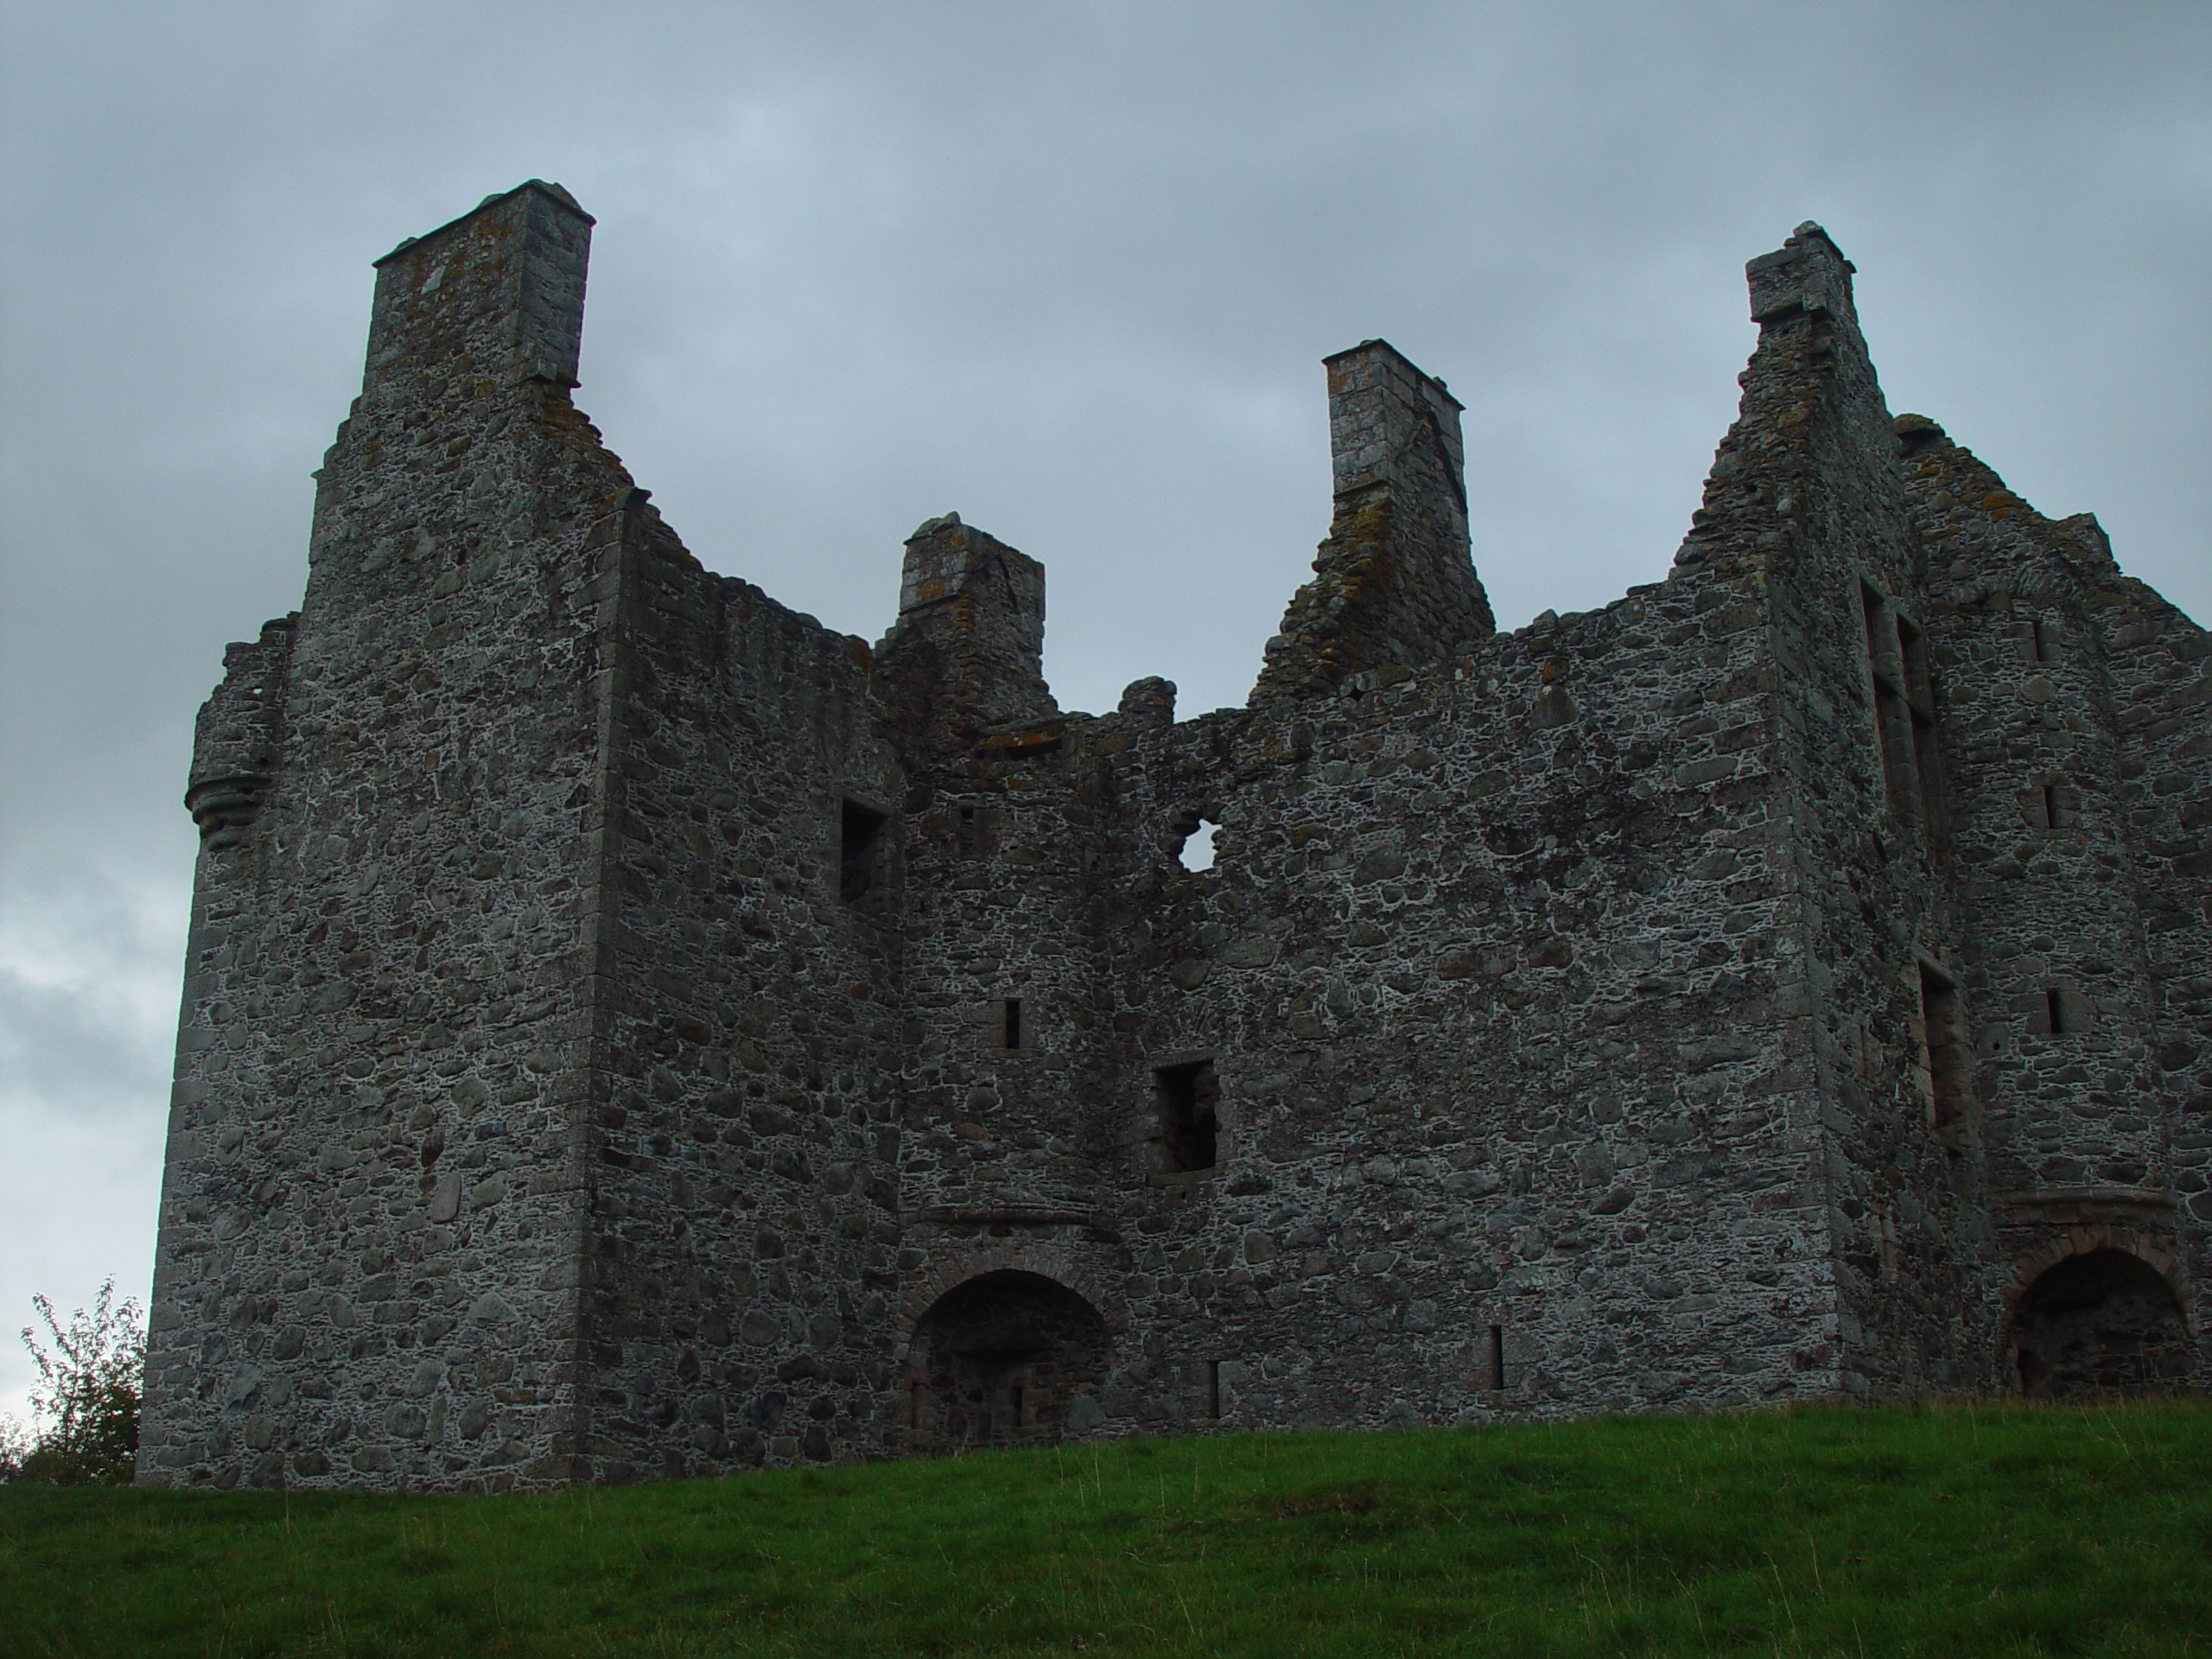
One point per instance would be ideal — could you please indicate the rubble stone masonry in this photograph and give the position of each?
(631, 1030)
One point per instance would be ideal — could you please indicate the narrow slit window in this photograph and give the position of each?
(1010, 1023)
(2054, 1011)
(2043, 641)
(1496, 1357)
(1213, 1388)
(1189, 1125)
(969, 834)
(2060, 806)
(1920, 716)
(1945, 1053)
(859, 842)
(1893, 722)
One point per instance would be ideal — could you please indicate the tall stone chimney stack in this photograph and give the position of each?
(1393, 585)
(497, 294)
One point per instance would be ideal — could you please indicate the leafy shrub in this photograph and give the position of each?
(85, 1407)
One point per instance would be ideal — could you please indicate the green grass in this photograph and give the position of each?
(1956, 1531)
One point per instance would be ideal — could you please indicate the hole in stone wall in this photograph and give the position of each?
(2054, 1011)
(1197, 851)
(860, 837)
(1213, 1388)
(1010, 1023)
(1497, 1367)
(1190, 1123)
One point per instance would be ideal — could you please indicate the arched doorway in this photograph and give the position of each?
(1008, 1358)
(2104, 1320)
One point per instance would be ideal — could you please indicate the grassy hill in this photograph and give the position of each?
(1983, 1530)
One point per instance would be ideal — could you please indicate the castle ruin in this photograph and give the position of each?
(631, 1030)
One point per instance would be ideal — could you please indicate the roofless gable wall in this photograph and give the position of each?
(622, 1014)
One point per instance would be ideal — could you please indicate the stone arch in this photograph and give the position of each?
(2095, 1312)
(1005, 1359)
(955, 1264)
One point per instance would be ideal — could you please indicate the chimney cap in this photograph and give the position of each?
(555, 193)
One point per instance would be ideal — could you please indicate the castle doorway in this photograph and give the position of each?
(2103, 1321)
(1008, 1358)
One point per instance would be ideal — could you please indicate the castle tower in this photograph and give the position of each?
(518, 934)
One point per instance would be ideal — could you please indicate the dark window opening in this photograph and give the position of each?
(1213, 1388)
(1945, 1050)
(1010, 1027)
(1496, 1377)
(1920, 712)
(1892, 723)
(2042, 641)
(860, 837)
(2054, 1011)
(975, 831)
(1190, 1123)
(2058, 807)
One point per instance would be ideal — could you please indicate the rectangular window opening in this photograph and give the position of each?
(1945, 1052)
(1870, 611)
(860, 837)
(2055, 1010)
(2043, 639)
(2050, 806)
(1189, 1122)
(1496, 1380)
(1892, 716)
(1010, 1026)
(1015, 1401)
(1919, 714)
(1213, 1388)
(967, 834)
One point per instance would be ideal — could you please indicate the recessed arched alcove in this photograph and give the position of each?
(1005, 1358)
(2101, 1321)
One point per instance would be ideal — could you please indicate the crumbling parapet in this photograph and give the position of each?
(239, 737)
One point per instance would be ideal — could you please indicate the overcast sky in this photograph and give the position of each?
(1066, 268)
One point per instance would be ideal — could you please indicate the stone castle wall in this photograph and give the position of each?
(631, 1030)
